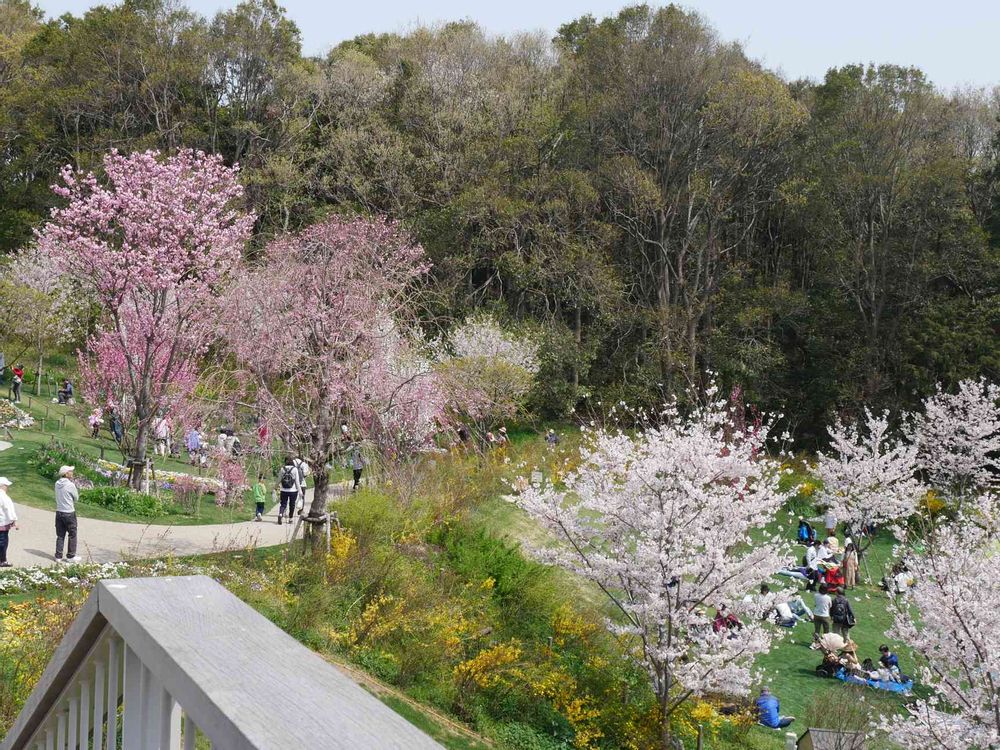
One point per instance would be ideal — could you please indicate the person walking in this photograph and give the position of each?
(8, 520)
(302, 467)
(841, 614)
(357, 465)
(289, 487)
(259, 497)
(116, 427)
(66, 499)
(821, 615)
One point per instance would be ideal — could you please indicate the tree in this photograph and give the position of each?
(666, 522)
(41, 308)
(487, 372)
(154, 242)
(313, 331)
(958, 437)
(948, 620)
(868, 475)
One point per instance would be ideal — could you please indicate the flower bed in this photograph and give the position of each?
(85, 575)
(12, 417)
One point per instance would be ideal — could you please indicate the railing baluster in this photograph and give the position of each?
(85, 715)
(114, 672)
(61, 731)
(74, 722)
(190, 733)
(132, 702)
(151, 707)
(170, 722)
(100, 683)
(50, 739)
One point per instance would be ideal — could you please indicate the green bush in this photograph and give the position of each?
(48, 460)
(523, 737)
(123, 500)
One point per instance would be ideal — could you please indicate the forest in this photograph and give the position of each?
(652, 203)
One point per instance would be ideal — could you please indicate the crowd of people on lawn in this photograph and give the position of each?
(828, 573)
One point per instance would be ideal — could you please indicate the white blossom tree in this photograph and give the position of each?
(869, 474)
(486, 371)
(668, 523)
(958, 438)
(950, 621)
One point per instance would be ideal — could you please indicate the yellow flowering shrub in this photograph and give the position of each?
(568, 626)
(491, 667)
(29, 633)
(932, 503)
(343, 546)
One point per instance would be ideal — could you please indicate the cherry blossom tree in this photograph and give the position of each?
(949, 620)
(486, 371)
(43, 309)
(154, 241)
(668, 522)
(958, 438)
(318, 331)
(869, 474)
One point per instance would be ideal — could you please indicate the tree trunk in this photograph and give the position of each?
(38, 377)
(321, 489)
(139, 455)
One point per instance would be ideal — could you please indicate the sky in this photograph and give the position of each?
(953, 42)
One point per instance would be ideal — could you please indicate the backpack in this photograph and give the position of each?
(838, 611)
(287, 478)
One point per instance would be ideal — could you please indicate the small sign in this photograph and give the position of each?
(536, 479)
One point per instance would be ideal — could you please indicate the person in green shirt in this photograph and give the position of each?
(259, 497)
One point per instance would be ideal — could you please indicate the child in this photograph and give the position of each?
(259, 495)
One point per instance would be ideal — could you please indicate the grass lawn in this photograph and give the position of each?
(32, 489)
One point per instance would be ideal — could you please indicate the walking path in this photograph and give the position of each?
(34, 542)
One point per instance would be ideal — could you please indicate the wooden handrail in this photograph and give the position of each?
(166, 647)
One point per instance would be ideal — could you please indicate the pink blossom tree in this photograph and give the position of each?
(317, 333)
(666, 523)
(949, 620)
(958, 438)
(154, 241)
(869, 474)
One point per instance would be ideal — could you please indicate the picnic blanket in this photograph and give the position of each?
(889, 685)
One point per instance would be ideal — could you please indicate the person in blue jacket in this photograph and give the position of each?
(768, 712)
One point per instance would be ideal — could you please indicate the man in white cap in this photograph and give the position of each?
(8, 520)
(66, 497)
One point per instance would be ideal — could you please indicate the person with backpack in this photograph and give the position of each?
(841, 614)
(289, 487)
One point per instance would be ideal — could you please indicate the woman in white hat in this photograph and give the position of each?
(8, 520)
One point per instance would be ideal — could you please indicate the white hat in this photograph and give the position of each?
(64, 470)
(5, 482)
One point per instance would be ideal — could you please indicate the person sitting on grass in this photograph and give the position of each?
(769, 713)
(725, 620)
(65, 394)
(788, 613)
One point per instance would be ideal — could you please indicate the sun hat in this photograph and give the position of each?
(850, 646)
(64, 470)
(5, 482)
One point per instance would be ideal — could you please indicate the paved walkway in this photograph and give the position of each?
(33, 543)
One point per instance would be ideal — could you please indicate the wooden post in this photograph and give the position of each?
(64, 421)
(701, 737)
(29, 401)
(790, 741)
(102, 452)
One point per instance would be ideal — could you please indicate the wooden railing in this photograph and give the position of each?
(170, 663)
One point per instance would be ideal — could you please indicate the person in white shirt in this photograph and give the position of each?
(8, 520)
(66, 498)
(821, 615)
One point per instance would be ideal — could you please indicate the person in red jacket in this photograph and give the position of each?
(18, 379)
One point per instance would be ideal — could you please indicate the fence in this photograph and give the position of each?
(170, 663)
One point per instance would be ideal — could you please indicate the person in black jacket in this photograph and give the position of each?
(841, 614)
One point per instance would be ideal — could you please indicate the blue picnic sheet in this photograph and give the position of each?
(892, 687)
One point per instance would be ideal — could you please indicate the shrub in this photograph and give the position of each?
(522, 737)
(123, 500)
(48, 459)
